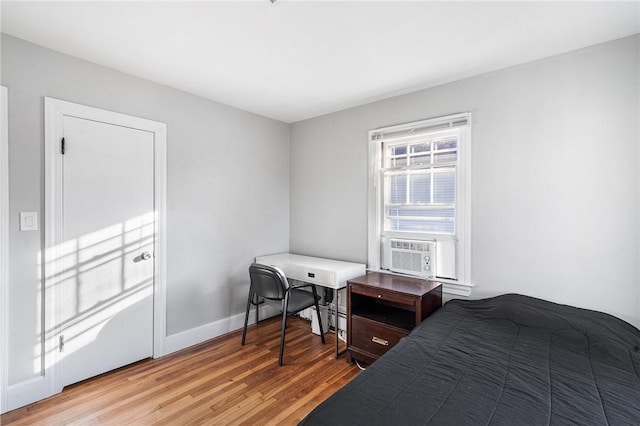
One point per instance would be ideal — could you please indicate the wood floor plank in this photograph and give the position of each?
(216, 382)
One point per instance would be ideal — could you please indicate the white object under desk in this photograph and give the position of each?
(327, 273)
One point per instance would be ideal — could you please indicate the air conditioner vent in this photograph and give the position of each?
(410, 245)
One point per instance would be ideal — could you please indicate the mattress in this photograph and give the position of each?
(508, 360)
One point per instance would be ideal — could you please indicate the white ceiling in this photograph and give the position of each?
(298, 59)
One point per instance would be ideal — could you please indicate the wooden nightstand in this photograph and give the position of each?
(383, 308)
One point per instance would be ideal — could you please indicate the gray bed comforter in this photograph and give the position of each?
(508, 360)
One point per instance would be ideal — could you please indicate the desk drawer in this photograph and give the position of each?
(374, 337)
(315, 276)
(383, 295)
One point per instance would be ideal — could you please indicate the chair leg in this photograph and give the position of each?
(315, 301)
(257, 309)
(246, 315)
(285, 306)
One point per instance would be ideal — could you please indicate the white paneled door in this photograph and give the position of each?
(106, 277)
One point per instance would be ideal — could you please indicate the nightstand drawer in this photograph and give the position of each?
(374, 337)
(383, 295)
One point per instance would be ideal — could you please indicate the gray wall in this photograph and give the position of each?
(555, 179)
(228, 188)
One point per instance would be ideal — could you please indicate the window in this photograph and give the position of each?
(420, 184)
(419, 192)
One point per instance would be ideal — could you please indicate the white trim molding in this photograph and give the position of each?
(26, 392)
(4, 249)
(55, 110)
(187, 338)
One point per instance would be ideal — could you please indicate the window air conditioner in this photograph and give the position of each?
(410, 257)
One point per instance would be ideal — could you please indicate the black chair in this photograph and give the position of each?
(271, 284)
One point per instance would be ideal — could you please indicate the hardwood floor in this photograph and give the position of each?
(216, 382)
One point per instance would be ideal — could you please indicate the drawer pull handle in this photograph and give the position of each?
(380, 341)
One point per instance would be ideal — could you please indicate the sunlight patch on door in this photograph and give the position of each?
(98, 276)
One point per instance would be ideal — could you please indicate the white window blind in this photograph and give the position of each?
(419, 128)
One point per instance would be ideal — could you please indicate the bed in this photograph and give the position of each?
(508, 360)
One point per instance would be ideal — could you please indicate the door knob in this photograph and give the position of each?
(145, 255)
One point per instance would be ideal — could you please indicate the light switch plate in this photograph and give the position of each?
(28, 221)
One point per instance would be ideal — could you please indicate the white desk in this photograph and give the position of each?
(327, 273)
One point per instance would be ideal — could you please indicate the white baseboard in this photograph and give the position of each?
(27, 392)
(184, 339)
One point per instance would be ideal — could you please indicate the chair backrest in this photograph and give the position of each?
(268, 282)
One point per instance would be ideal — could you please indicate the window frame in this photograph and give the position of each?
(462, 285)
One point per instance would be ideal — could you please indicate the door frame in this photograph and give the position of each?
(55, 110)
(4, 248)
